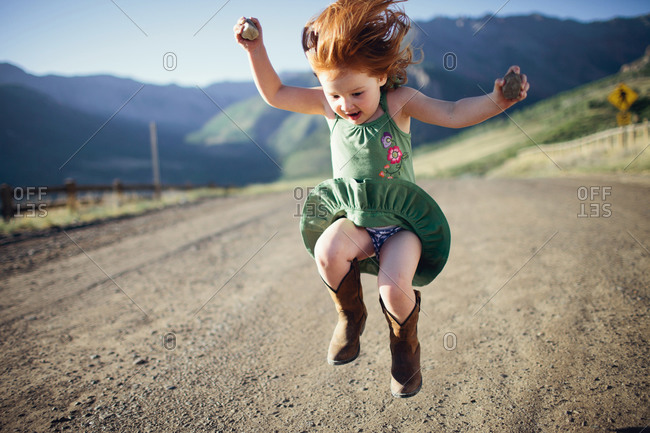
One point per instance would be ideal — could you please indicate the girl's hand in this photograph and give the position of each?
(245, 43)
(498, 89)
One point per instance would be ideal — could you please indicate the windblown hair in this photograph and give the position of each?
(364, 35)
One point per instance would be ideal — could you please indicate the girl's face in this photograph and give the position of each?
(353, 95)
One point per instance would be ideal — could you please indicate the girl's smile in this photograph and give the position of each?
(354, 116)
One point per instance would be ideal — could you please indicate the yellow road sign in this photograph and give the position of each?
(622, 97)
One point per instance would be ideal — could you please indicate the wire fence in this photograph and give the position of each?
(15, 200)
(630, 136)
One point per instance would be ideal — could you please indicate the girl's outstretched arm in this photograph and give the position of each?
(462, 113)
(276, 94)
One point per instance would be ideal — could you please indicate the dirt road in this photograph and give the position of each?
(213, 318)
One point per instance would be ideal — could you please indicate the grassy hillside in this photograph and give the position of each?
(585, 110)
(248, 115)
(303, 143)
(299, 142)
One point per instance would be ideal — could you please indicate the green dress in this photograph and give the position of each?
(374, 186)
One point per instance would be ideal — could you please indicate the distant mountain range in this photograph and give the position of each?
(44, 120)
(38, 135)
(177, 107)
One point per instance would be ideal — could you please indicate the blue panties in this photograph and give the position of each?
(379, 235)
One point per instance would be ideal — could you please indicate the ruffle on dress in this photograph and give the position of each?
(377, 203)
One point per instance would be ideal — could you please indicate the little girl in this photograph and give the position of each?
(371, 217)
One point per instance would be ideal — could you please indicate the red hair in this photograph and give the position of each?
(365, 35)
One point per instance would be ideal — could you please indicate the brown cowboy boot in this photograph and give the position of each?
(406, 378)
(348, 299)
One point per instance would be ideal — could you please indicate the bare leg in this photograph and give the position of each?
(339, 244)
(399, 257)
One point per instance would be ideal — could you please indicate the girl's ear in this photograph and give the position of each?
(382, 80)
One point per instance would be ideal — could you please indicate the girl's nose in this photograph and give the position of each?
(346, 105)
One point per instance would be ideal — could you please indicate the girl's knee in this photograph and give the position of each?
(328, 251)
(342, 242)
(333, 245)
(321, 255)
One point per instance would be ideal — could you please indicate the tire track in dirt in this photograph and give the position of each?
(142, 252)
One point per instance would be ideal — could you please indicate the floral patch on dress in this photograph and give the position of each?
(395, 157)
(387, 140)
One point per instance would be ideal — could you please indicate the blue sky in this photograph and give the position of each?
(130, 38)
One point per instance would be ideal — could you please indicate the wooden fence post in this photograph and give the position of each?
(118, 190)
(619, 137)
(630, 135)
(153, 134)
(71, 191)
(7, 194)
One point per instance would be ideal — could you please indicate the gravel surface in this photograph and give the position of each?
(212, 317)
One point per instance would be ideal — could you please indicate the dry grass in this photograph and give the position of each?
(34, 218)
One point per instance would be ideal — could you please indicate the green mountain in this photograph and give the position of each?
(303, 143)
(252, 115)
(585, 110)
(299, 142)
